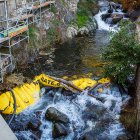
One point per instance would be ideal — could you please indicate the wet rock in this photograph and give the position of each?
(34, 124)
(71, 31)
(134, 14)
(87, 136)
(52, 114)
(19, 137)
(36, 134)
(113, 104)
(17, 79)
(115, 5)
(83, 31)
(59, 130)
(124, 137)
(99, 114)
(116, 18)
(34, 137)
(110, 10)
(95, 10)
(67, 93)
(94, 134)
(126, 15)
(104, 5)
(105, 16)
(93, 112)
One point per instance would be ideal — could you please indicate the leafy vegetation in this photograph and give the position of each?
(33, 33)
(82, 18)
(53, 9)
(85, 10)
(122, 54)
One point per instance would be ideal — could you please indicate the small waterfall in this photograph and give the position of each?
(107, 25)
(102, 25)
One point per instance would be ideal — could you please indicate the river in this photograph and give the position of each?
(79, 56)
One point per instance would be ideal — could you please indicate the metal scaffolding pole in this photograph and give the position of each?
(6, 13)
(16, 5)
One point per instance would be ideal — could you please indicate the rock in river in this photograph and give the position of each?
(34, 124)
(116, 18)
(105, 16)
(59, 130)
(52, 114)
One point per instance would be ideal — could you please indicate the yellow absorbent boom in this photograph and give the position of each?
(28, 94)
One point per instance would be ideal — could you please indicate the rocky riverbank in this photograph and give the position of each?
(66, 19)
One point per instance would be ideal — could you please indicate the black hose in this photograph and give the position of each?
(15, 106)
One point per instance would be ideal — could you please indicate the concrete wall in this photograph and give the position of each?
(5, 131)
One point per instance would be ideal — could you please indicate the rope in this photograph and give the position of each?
(15, 106)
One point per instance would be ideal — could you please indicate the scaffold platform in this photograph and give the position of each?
(29, 10)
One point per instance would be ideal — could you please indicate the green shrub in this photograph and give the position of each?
(122, 54)
(84, 13)
(82, 18)
(33, 40)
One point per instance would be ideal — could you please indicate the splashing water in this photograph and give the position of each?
(104, 26)
(76, 108)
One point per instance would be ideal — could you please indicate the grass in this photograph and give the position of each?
(84, 13)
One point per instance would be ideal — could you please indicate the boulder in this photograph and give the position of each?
(116, 18)
(110, 10)
(126, 15)
(59, 130)
(115, 5)
(94, 112)
(105, 16)
(95, 10)
(34, 124)
(94, 134)
(52, 114)
(83, 31)
(71, 32)
(134, 14)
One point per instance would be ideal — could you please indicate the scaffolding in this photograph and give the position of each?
(18, 26)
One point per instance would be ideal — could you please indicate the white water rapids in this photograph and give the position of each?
(103, 10)
(74, 109)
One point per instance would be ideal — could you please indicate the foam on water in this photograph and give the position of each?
(102, 25)
(73, 109)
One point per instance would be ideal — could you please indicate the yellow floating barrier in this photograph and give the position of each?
(28, 94)
(25, 95)
(83, 83)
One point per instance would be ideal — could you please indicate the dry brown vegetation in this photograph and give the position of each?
(130, 4)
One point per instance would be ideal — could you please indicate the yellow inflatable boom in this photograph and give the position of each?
(28, 94)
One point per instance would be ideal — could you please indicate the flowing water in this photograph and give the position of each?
(86, 114)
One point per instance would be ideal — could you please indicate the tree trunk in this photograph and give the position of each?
(137, 135)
